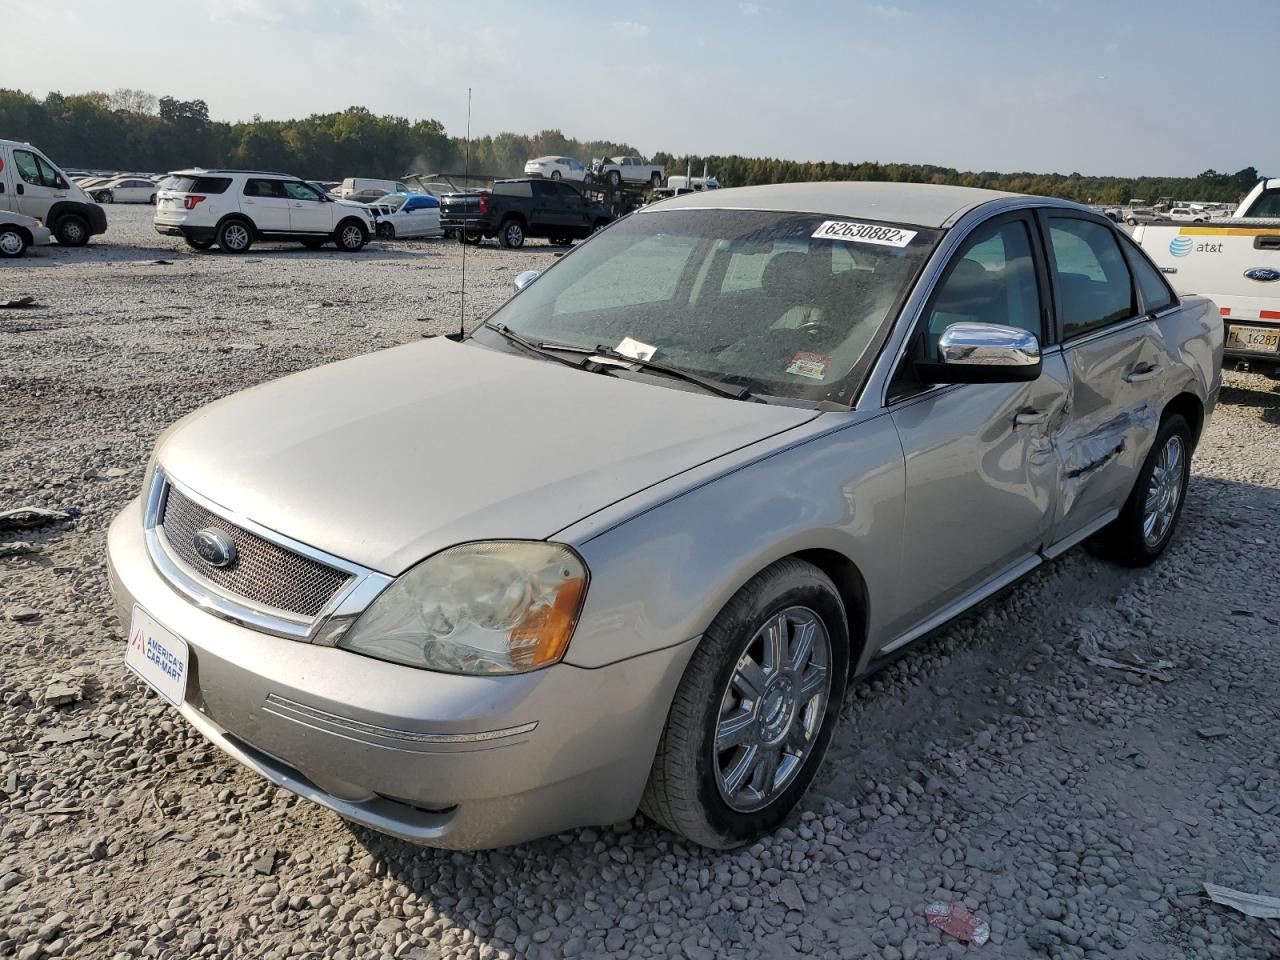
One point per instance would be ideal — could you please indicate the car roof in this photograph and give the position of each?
(198, 172)
(923, 204)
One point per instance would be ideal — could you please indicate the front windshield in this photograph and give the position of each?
(790, 305)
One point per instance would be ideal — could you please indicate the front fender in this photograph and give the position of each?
(660, 576)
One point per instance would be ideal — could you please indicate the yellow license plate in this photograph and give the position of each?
(1254, 338)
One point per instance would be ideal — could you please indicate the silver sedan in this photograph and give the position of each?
(628, 542)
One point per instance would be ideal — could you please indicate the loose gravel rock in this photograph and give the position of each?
(1074, 807)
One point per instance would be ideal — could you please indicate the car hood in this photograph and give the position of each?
(386, 458)
(353, 205)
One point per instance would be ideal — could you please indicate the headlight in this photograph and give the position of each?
(494, 607)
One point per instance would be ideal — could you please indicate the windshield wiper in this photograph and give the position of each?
(732, 390)
(538, 349)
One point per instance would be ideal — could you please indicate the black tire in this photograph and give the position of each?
(684, 792)
(562, 241)
(13, 242)
(511, 234)
(1127, 539)
(200, 244)
(1131, 222)
(72, 230)
(555, 175)
(351, 236)
(235, 235)
(313, 244)
(471, 239)
(152, 200)
(106, 196)
(599, 225)
(386, 231)
(655, 181)
(614, 178)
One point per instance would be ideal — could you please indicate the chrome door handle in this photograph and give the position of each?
(1030, 418)
(1144, 372)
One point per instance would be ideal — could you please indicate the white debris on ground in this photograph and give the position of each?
(1076, 808)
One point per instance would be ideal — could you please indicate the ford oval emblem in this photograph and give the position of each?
(1263, 274)
(214, 547)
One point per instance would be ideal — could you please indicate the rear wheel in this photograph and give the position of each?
(755, 710)
(471, 239)
(12, 242)
(614, 178)
(655, 180)
(351, 236)
(555, 174)
(152, 200)
(72, 230)
(511, 234)
(234, 236)
(106, 196)
(200, 244)
(1146, 524)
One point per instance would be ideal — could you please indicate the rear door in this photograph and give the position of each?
(266, 203)
(1118, 368)
(37, 186)
(981, 466)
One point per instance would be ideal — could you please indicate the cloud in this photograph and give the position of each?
(629, 28)
(749, 9)
(382, 9)
(887, 12)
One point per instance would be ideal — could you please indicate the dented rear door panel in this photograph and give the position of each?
(1118, 388)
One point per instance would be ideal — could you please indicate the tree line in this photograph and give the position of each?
(135, 130)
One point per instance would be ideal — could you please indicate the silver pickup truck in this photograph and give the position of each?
(1235, 262)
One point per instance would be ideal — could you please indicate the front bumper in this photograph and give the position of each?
(436, 759)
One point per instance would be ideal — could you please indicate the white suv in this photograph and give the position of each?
(233, 208)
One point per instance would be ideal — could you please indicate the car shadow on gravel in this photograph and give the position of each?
(1267, 399)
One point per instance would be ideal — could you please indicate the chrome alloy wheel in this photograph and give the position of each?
(772, 709)
(236, 236)
(1164, 491)
(351, 236)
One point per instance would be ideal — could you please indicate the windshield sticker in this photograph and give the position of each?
(863, 233)
(811, 365)
(635, 349)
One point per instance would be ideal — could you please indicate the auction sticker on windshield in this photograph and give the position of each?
(158, 656)
(863, 233)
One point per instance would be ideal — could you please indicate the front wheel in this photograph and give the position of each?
(351, 236)
(1146, 523)
(72, 230)
(12, 242)
(511, 235)
(755, 710)
(386, 231)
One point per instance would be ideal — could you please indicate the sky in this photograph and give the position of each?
(1106, 87)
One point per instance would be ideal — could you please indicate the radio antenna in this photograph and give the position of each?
(466, 184)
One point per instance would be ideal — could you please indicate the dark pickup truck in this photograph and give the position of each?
(517, 209)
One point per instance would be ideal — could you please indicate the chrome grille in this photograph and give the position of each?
(263, 572)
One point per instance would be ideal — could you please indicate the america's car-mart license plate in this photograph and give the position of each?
(1254, 338)
(158, 656)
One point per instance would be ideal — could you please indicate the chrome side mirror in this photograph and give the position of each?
(983, 353)
(526, 278)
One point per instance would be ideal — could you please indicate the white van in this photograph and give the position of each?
(32, 184)
(353, 185)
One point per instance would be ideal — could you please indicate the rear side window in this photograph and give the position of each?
(519, 188)
(1267, 205)
(1156, 294)
(1093, 281)
(255, 187)
(186, 184)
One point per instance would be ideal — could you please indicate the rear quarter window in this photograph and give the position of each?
(184, 184)
(518, 189)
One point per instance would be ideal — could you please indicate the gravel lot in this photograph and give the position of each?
(1077, 808)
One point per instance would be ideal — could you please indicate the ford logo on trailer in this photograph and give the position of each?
(1180, 246)
(1263, 274)
(214, 547)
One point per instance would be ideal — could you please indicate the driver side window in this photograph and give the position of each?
(991, 280)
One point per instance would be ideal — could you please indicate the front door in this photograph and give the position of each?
(981, 467)
(37, 186)
(308, 211)
(1113, 354)
(267, 204)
